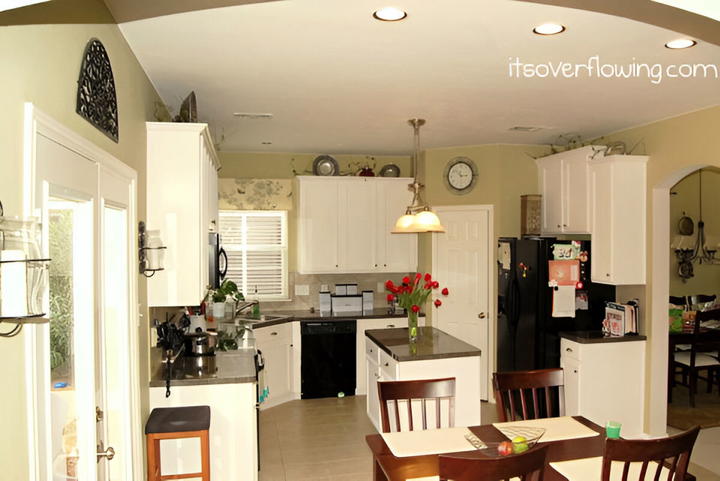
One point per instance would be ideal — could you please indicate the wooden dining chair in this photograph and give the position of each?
(673, 453)
(532, 394)
(680, 301)
(701, 358)
(434, 390)
(528, 466)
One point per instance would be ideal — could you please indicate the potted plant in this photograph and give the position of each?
(227, 293)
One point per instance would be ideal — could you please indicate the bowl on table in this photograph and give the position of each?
(520, 439)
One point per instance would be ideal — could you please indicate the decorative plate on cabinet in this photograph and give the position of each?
(325, 165)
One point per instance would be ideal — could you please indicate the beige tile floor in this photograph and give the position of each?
(324, 440)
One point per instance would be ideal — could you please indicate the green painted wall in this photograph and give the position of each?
(40, 64)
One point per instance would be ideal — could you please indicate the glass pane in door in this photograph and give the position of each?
(71, 308)
(116, 341)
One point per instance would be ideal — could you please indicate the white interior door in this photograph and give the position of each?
(462, 261)
(84, 373)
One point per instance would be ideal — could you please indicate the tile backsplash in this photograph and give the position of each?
(365, 282)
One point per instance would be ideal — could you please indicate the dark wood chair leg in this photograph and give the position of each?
(693, 388)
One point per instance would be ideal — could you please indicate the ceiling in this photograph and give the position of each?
(338, 81)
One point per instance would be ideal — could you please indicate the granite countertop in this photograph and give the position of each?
(432, 343)
(232, 367)
(306, 315)
(596, 337)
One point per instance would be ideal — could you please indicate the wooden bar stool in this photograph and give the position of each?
(177, 423)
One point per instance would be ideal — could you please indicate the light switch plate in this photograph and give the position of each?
(380, 287)
(302, 290)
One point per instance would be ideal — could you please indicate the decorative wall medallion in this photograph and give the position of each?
(96, 98)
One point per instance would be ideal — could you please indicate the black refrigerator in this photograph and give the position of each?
(527, 333)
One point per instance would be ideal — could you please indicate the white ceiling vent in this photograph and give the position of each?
(252, 115)
(524, 128)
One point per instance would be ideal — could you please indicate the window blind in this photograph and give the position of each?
(256, 245)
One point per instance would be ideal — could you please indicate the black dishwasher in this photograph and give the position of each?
(328, 359)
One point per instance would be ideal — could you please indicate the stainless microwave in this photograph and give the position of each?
(217, 261)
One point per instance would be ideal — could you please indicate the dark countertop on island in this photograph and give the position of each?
(597, 337)
(232, 367)
(432, 343)
(305, 315)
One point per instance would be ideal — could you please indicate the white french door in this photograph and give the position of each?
(84, 366)
(462, 260)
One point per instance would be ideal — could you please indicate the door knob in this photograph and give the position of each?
(481, 315)
(108, 453)
(99, 414)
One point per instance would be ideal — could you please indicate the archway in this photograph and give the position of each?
(656, 417)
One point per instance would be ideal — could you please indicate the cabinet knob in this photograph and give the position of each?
(337, 265)
(371, 350)
(384, 265)
(607, 275)
(481, 315)
(387, 364)
(568, 349)
(375, 265)
(558, 225)
(273, 333)
(575, 371)
(564, 225)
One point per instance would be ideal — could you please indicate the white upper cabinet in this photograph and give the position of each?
(618, 205)
(394, 252)
(182, 203)
(318, 225)
(563, 183)
(344, 225)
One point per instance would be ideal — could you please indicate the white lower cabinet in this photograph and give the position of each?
(605, 381)
(277, 347)
(466, 371)
(362, 326)
(233, 425)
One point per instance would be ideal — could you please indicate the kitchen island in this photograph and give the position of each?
(390, 356)
(231, 395)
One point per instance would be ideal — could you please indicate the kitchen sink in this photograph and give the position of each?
(263, 318)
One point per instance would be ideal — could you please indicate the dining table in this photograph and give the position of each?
(388, 467)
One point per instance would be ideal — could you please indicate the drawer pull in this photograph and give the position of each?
(387, 364)
(567, 349)
(391, 325)
(273, 333)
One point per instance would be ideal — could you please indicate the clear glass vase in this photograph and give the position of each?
(412, 326)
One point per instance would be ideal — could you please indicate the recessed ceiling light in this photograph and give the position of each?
(389, 14)
(681, 43)
(549, 29)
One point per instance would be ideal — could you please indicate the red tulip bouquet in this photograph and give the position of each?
(412, 294)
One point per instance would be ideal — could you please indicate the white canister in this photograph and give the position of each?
(197, 321)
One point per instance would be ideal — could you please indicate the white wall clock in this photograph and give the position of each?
(460, 175)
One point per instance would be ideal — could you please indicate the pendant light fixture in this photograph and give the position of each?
(700, 251)
(418, 216)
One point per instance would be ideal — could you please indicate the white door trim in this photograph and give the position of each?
(36, 122)
(491, 287)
